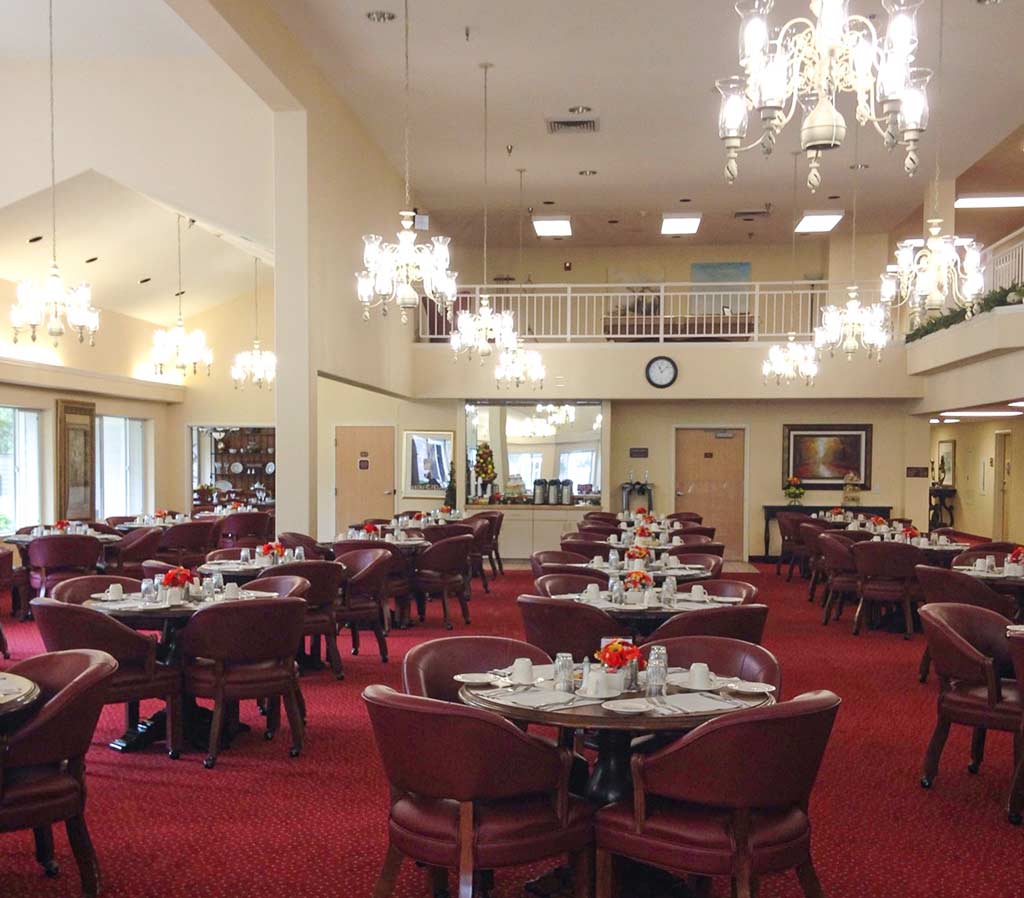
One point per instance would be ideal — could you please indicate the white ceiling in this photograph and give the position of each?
(132, 237)
(647, 70)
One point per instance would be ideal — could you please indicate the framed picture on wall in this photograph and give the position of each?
(426, 460)
(946, 465)
(76, 467)
(824, 455)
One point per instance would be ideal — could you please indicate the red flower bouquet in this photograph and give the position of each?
(445, 509)
(370, 529)
(160, 513)
(418, 516)
(641, 510)
(649, 519)
(643, 532)
(911, 532)
(272, 549)
(638, 580)
(236, 505)
(638, 552)
(179, 577)
(62, 525)
(1017, 555)
(618, 653)
(835, 510)
(877, 520)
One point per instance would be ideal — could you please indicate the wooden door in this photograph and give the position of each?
(364, 474)
(710, 481)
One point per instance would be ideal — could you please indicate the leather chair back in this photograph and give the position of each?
(435, 533)
(398, 562)
(695, 530)
(589, 535)
(789, 523)
(608, 516)
(190, 536)
(887, 560)
(153, 569)
(138, 545)
(726, 657)
(599, 576)
(80, 589)
(587, 549)
(61, 553)
(702, 548)
(324, 578)
(538, 559)
(837, 554)
(809, 531)
(743, 622)
(428, 668)
(245, 632)
(601, 531)
(688, 539)
(557, 584)
(734, 589)
(120, 519)
(556, 625)
(448, 556)
(367, 573)
(292, 540)
(939, 585)
(965, 642)
(102, 527)
(690, 516)
(232, 554)
(286, 586)
(481, 529)
(712, 562)
(65, 627)
(244, 528)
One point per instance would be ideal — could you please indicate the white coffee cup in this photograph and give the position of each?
(231, 591)
(592, 593)
(990, 562)
(697, 591)
(677, 540)
(943, 540)
(980, 564)
(613, 537)
(700, 675)
(115, 592)
(650, 597)
(596, 682)
(522, 672)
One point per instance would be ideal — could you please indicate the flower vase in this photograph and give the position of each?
(795, 502)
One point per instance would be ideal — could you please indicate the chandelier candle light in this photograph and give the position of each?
(391, 270)
(789, 362)
(51, 302)
(807, 63)
(257, 366)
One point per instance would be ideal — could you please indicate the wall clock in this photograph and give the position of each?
(662, 372)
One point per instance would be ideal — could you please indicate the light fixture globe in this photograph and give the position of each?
(824, 127)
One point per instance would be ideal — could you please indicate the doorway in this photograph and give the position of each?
(1003, 485)
(364, 474)
(711, 480)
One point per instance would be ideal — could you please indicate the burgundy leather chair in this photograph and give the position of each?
(601, 577)
(538, 559)
(743, 622)
(325, 580)
(588, 550)
(114, 520)
(1016, 803)
(154, 570)
(136, 547)
(473, 792)
(588, 535)
(733, 589)
(292, 540)
(434, 533)
(481, 530)
(559, 584)
(42, 767)
(246, 650)
(713, 563)
(724, 656)
(840, 572)
(244, 528)
(186, 545)
(602, 516)
(428, 668)
(284, 586)
(556, 625)
(699, 807)
(686, 516)
(939, 585)
(704, 547)
(688, 539)
(792, 549)
(65, 626)
(969, 649)
(809, 532)
(399, 579)
(694, 530)
(441, 570)
(961, 536)
(232, 554)
(80, 589)
(16, 581)
(362, 599)
(885, 574)
(593, 528)
(53, 559)
(491, 547)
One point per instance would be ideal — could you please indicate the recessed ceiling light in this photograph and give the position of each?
(552, 226)
(676, 236)
(588, 172)
(1017, 404)
(934, 420)
(673, 223)
(990, 202)
(35, 239)
(144, 280)
(548, 202)
(819, 222)
(92, 259)
(579, 110)
(992, 414)
(378, 16)
(951, 421)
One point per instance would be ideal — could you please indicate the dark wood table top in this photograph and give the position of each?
(23, 539)
(16, 693)
(132, 612)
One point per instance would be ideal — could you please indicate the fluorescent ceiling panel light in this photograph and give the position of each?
(552, 225)
(680, 223)
(981, 414)
(951, 421)
(934, 420)
(819, 222)
(1017, 404)
(990, 202)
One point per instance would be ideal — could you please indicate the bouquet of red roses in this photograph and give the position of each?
(418, 516)
(618, 653)
(634, 552)
(62, 525)
(836, 510)
(370, 529)
(272, 549)
(179, 577)
(643, 532)
(638, 580)
(641, 510)
(1017, 555)
(877, 520)
(445, 509)
(911, 532)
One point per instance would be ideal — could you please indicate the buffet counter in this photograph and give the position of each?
(534, 528)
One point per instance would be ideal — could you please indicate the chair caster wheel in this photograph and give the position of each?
(1015, 819)
(448, 627)
(355, 651)
(339, 677)
(926, 782)
(268, 735)
(174, 754)
(209, 762)
(294, 752)
(973, 768)
(51, 869)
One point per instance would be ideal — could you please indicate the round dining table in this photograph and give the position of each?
(236, 571)
(645, 619)
(18, 695)
(22, 540)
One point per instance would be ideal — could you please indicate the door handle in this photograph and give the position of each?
(389, 492)
(680, 492)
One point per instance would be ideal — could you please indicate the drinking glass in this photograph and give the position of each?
(618, 592)
(245, 556)
(289, 555)
(300, 554)
(209, 589)
(657, 671)
(668, 589)
(563, 672)
(148, 591)
(218, 581)
(613, 557)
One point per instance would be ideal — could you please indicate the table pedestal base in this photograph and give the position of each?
(197, 724)
(610, 780)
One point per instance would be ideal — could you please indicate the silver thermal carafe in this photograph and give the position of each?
(554, 492)
(540, 491)
(567, 492)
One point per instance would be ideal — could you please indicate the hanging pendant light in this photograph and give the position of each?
(50, 303)
(178, 348)
(257, 366)
(519, 366)
(391, 270)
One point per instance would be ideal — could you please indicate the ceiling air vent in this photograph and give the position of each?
(753, 214)
(571, 125)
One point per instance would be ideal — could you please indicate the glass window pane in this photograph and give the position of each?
(577, 465)
(136, 467)
(7, 469)
(28, 480)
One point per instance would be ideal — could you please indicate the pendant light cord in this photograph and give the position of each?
(408, 127)
(522, 173)
(938, 91)
(856, 191)
(486, 66)
(180, 291)
(256, 296)
(792, 250)
(53, 152)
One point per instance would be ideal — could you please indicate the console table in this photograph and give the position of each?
(940, 502)
(770, 511)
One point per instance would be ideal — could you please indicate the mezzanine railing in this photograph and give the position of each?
(1004, 261)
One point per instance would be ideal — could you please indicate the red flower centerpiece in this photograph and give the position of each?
(236, 505)
(62, 525)
(618, 653)
(370, 530)
(160, 513)
(418, 516)
(877, 520)
(643, 532)
(649, 519)
(268, 549)
(638, 580)
(634, 552)
(641, 510)
(1017, 555)
(835, 511)
(911, 532)
(445, 509)
(178, 577)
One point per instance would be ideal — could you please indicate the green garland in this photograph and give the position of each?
(991, 300)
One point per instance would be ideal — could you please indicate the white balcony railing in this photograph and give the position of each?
(1004, 261)
(757, 311)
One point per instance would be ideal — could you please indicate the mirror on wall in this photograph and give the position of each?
(530, 453)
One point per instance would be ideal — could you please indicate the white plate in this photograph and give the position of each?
(475, 679)
(269, 467)
(628, 706)
(224, 485)
(236, 467)
(747, 688)
(682, 680)
(612, 693)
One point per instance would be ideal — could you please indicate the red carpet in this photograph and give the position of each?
(263, 825)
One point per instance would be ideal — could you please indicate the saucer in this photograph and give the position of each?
(475, 679)
(749, 688)
(628, 706)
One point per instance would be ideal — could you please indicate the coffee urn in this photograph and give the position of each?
(554, 492)
(566, 492)
(540, 491)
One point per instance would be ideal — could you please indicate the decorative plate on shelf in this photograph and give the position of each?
(224, 485)
(269, 467)
(236, 467)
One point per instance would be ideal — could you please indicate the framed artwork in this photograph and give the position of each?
(947, 462)
(824, 455)
(76, 465)
(426, 460)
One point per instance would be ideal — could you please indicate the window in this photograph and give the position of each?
(21, 481)
(526, 464)
(578, 465)
(120, 466)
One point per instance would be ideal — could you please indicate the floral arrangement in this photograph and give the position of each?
(634, 552)
(445, 509)
(835, 510)
(794, 488)
(418, 516)
(877, 520)
(271, 549)
(160, 513)
(641, 510)
(618, 653)
(179, 577)
(638, 580)
(371, 529)
(911, 532)
(1017, 555)
(649, 519)
(643, 532)
(483, 467)
(62, 525)
(236, 504)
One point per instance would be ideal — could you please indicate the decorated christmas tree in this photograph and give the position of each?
(484, 466)
(449, 493)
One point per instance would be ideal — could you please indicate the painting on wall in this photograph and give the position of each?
(946, 464)
(426, 460)
(76, 468)
(719, 272)
(823, 456)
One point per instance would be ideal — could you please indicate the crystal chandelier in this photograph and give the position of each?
(51, 302)
(391, 270)
(806, 64)
(557, 415)
(482, 332)
(853, 326)
(793, 360)
(530, 429)
(177, 348)
(518, 366)
(257, 366)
